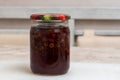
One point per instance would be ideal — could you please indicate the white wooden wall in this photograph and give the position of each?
(85, 21)
(54, 3)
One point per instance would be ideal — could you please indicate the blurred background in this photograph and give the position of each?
(94, 23)
(95, 27)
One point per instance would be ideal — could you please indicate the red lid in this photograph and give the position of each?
(48, 17)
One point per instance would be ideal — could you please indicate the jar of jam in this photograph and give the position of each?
(49, 44)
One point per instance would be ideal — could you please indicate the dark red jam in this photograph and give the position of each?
(49, 47)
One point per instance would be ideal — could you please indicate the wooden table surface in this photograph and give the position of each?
(78, 54)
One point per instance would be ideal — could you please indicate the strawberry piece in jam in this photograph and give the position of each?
(35, 16)
(62, 17)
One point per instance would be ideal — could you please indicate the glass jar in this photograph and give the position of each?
(49, 44)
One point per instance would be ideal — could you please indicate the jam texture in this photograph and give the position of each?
(49, 49)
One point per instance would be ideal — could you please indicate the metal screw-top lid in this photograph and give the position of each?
(49, 17)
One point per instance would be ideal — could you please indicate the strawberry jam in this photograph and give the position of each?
(49, 49)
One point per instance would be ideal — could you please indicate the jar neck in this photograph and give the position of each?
(52, 23)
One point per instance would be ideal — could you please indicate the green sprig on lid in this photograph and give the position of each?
(47, 17)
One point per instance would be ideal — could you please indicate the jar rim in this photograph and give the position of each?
(50, 17)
